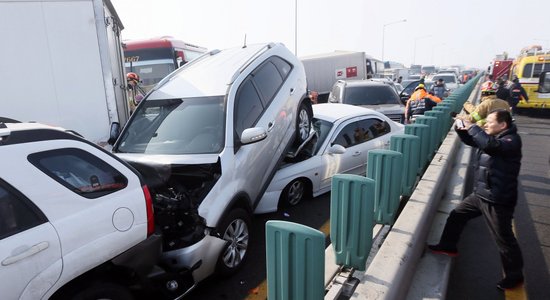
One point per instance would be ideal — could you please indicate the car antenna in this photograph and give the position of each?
(244, 46)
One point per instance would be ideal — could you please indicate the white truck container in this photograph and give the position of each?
(61, 63)
(323, 70)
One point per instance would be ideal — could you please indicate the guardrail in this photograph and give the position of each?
(356, 200)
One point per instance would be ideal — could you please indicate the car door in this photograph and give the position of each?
(352, 136)
(263, 100)
(30, 252)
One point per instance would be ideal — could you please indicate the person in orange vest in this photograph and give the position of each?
(419, 102)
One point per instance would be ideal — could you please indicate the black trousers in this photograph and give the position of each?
(498, 218)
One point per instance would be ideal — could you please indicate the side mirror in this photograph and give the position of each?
(336, 149)
(253, 135)
(114, 133)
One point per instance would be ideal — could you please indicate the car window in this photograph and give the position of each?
(370, 95)
(268, 80)
(17, 213)
(248, 107)
(376, 127)
(322, 128)
(282, 65)
(353, 134)
(79, 171)
(446, 78)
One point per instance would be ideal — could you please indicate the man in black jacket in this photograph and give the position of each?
(496, 168)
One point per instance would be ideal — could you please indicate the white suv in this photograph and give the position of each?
(208, 139)
(73, 218)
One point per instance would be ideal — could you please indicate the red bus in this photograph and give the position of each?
(153, 59)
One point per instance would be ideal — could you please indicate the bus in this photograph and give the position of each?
(528, 67)
(153, 59)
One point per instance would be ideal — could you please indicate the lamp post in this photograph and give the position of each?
(384, 32)
(296, 27)
(414, 50)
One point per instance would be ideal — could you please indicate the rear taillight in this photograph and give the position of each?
(150, 213)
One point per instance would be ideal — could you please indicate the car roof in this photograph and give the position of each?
(364, 83)
(333, 112)
(209, 75)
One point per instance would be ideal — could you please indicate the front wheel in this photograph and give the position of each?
(293, 193)
(235, 229)
(303, 123)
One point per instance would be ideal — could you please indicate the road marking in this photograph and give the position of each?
(260, 292)
(519, 292)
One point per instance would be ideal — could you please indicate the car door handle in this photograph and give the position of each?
(29, 252)
(356, 153)
(270, 126)
(292, 91)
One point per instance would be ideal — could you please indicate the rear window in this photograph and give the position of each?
(447, 79)
(370, 95)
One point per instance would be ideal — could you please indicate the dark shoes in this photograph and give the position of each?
(438, 249)
(510, 283)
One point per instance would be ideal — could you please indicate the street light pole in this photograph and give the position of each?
(384, 32)
(415, 40)
(296, 27)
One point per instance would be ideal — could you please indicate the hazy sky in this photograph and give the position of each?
(469, 32)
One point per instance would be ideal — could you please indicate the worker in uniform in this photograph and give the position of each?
(419, 102)
(135, 92)
(489, 102)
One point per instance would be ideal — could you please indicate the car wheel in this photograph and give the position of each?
(234, 228)
(303, 123)
(293, 193)
(104, 290)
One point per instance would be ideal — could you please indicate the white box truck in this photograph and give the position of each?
(61, 63)
(323, 70)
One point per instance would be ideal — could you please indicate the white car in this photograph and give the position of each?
(75, 221)
(450, 79)
(208, 139)
(345, 134)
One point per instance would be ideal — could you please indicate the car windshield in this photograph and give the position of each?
(176, 126)
(370, 95)
(322, 128)
(446, 78)
(151, 72)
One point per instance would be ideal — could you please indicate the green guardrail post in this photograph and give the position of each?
(409, 146)
(422, 131)
(431, 122)
(446, 110)
(351, 219)
(384, 166)
(439, 125)
(295, 258)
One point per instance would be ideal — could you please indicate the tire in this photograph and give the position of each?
(104, 290)
(293, 193)
(235, 229)
(303, 123)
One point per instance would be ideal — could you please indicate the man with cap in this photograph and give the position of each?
(517, 93)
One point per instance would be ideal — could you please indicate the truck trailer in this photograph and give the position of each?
(62, 64)
(323, 70)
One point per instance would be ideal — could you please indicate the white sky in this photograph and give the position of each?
(468, 32)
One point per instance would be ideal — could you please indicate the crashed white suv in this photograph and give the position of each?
(208, 139)
(73, 218)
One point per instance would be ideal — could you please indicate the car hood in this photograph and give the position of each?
(386, 108)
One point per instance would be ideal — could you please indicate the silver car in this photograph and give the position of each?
(208, 140)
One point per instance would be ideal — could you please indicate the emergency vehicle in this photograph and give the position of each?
(528, 67)
(500, 67)
(153, 59)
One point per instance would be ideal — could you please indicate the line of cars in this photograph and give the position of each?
(206, 148)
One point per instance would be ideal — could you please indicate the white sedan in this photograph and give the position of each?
(345, 134)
